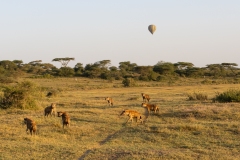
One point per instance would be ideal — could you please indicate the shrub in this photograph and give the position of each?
(6, 79)
(197, 96)
(129, 82)
(153, 76)
(143, 78)
(206, 81)
(161, 78)
(232, 95)
(20, 96)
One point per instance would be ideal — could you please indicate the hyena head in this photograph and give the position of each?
(144, 105)
(60, 113)
(123, 113)
(53, 105)
(25, 120)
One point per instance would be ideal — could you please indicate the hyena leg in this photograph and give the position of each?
(129, 119)
(155, 110)
(31, 131)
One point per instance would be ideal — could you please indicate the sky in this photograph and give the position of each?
(198, 31)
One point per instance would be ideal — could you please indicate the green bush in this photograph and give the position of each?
(129, 82)
(21, 96)
(161, 78)
(232, 95)
(143, 78)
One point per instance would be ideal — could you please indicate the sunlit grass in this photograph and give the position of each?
(183, 129)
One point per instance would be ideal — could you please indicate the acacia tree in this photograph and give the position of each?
(104, 64)
(182, 67)
(65, 72)
(216, 70)
(146, 73)
(230, 66)
(63, 61)
(8, 65)
(127, 68)
(97, 69)
(92, 71)
(194, 72)
(115, 73)
(35, 63)
(19, 63)
(164, 68)
(78, 69)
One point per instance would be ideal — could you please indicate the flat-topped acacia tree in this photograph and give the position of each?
(231, 67)
(35, 63)
(63, 61)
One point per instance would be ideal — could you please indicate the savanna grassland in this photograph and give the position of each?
(183, 129)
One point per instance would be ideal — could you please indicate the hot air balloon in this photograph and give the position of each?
(152, 28)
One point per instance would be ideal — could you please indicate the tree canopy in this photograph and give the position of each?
(63, 61)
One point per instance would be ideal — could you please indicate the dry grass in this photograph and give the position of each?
(182, 130)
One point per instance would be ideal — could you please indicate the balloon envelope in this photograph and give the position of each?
(152, 28)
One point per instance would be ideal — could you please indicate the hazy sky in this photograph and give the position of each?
(198, 31)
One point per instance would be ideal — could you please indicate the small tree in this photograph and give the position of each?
(19, 63)
(8, 65)
(216, 70)
(63, 61)
(164, 68)
(78, 69)
(65, 72)
(127, 66)
(181, 67)
(129, 82)
(231, 67)
(35, 63)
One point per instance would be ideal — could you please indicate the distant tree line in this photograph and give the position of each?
(104, 70)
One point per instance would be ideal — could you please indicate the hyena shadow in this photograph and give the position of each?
(104, 141)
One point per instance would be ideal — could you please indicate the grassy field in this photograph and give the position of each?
(182, 130)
